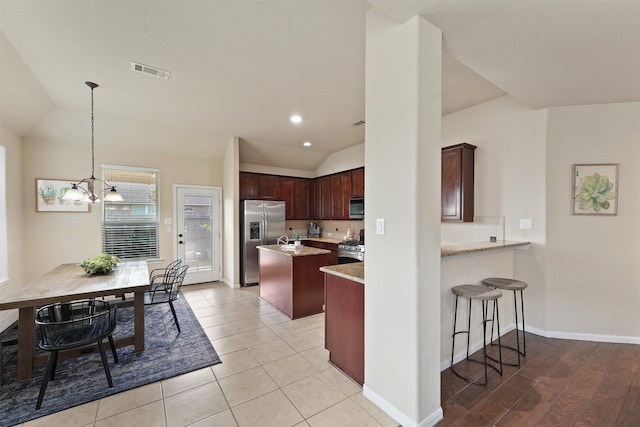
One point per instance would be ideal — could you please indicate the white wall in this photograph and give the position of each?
(349, 158)
(53, 237)
(402, 180)
(593, 273)
(231, 224)
(523, 170)
(509, 180)
(13, 178)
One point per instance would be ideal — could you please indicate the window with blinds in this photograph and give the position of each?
(130, 229)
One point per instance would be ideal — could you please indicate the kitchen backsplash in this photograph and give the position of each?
(480, 230)
(334, 229)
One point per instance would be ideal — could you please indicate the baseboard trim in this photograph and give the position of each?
(230, 283)
(398, 415)
(445, 364)
(619, 339)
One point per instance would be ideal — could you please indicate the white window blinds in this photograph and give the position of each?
(130, 228)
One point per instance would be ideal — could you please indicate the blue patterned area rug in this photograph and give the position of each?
(82, 379)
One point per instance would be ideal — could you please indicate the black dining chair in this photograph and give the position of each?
(69, 325)
(157, 273)
(166, 289)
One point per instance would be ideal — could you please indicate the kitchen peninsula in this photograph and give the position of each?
(344, 317)
(291, 280)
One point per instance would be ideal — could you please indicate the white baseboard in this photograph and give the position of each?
(584, 337)
(230, 283)
(398, 415)
(445, 364)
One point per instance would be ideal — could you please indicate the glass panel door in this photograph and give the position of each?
(197, 232)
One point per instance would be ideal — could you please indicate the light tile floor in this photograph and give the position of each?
(274, 372)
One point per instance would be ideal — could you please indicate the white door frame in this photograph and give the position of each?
(216, 229)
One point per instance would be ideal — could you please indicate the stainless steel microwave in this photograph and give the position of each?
(356, 209)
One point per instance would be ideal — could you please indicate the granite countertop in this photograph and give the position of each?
(468, 248)
(323, 239)
(299, 251)
(353, 271)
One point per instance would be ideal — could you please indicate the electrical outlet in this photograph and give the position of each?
(526, 224)
(328, 234)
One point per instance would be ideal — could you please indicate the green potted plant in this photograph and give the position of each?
(296, 239)
(100, 264)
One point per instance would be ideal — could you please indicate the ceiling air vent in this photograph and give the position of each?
(356, 124)
(152, 71)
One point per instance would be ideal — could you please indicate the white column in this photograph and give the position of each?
(402, 181)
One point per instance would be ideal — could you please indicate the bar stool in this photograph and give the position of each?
(515, 286)
(483, 294)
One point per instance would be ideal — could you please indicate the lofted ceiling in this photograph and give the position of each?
(240, 68)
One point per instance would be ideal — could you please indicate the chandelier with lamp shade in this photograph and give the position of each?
(89, 194)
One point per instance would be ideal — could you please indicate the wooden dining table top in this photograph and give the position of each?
(69, 282)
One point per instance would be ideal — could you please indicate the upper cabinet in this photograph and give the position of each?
(326, 197)
(269, 187)
(249, 185)
(357, 183)
(457, 183)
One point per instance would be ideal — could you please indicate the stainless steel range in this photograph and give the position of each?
(350, 251)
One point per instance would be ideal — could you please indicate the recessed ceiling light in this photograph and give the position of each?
(295, 118)
(306, 144)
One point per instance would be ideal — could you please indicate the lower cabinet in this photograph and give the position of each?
(333, 247)
(344, 325)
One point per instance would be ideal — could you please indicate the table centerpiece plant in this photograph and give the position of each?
(100, 264)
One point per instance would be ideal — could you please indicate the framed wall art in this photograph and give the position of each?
(595, 189)
(49, 193)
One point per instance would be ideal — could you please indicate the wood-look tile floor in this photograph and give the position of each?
(559, 383)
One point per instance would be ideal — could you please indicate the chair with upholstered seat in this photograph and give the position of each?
(166, 289)
(76, 324)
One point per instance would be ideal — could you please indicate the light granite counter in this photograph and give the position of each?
(295, 252)
(470, 248)
(353, 271)
(323, 239)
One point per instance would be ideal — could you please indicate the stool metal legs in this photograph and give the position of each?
(519, 352)
(494, 319)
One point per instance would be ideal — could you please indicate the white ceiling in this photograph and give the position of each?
(242, 67)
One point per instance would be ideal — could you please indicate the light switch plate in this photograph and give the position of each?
(526, 224)
(380, 226)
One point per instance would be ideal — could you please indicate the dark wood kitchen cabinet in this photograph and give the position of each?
(269, 187)
(249, 185)
(357, 183)
(326, 197)
(324, 208)
(336, 197)
(259, 186)
(457, 183)
(295, 193)
(344, 325)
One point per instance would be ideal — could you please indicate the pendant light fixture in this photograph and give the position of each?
(77, 192)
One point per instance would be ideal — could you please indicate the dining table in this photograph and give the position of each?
(69, 282)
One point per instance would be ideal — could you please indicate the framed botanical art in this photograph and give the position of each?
(49, 197)
(595, 189)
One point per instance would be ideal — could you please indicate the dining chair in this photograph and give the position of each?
(69, 325)
(158, 273)
(167, 290)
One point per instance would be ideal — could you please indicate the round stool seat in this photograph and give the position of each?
(476, 292)
(505, 284)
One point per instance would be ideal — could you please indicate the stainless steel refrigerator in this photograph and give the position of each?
(261, 223)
